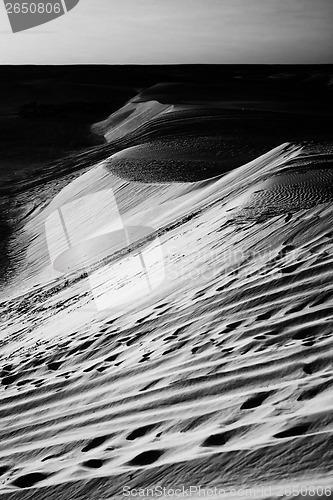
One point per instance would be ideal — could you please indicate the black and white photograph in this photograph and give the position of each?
(166, 249)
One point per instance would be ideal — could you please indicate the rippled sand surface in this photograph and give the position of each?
(222, 378)
(292, 190)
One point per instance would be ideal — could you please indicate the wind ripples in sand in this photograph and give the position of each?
(223, 377)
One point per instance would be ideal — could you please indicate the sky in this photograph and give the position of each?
(177, 32)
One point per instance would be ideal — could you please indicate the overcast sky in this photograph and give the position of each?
(177, 31)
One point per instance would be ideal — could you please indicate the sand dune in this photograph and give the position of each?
(220, 378)
(176, 132)
(128, 119)
(167, 306)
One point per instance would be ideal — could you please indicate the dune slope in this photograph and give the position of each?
(222, 377)
(209, 363)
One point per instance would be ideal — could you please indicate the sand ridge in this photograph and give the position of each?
(224, 377)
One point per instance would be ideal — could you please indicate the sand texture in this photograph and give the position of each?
(222, 375)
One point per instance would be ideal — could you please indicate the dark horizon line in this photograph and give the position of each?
(166, 64)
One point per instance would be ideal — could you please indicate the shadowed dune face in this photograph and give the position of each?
(176, 159)
(189, 144)
(185, 132)
(222, 375)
